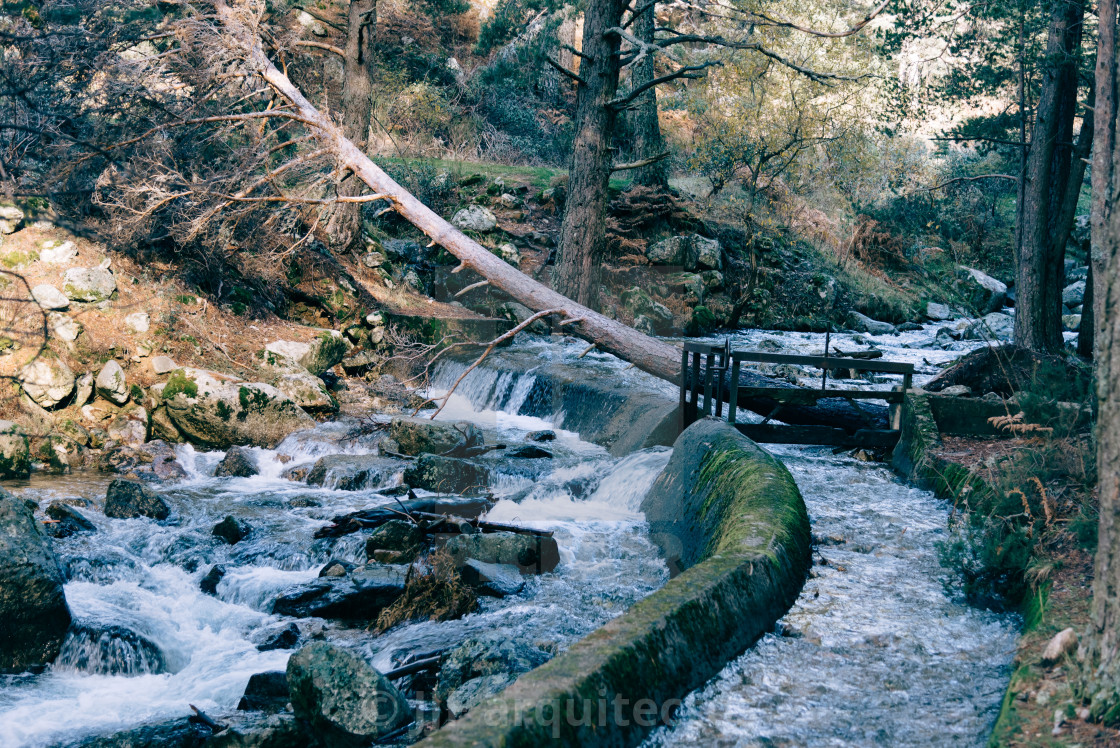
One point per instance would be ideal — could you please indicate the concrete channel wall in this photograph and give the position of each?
(734, 529)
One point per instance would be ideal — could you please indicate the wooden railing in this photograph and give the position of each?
(704, 388)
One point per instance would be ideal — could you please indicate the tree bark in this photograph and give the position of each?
(1104, 173)
(1038, 322)
(645, 125)
(584, 228)
(1101, 643)
(345, 224)
(649, 354)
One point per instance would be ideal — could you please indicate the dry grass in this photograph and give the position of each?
(435, 595)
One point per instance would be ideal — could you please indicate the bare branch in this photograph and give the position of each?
(321, 45)
(565, 71)
(968, 179)
(689, 72)
(641, 163)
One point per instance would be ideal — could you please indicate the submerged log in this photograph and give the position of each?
(649, 354)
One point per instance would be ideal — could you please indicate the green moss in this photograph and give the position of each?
(224, 411)
(178, 383)
(18, 259)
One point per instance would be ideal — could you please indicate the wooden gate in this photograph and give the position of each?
(704, 388)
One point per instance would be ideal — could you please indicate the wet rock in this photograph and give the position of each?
(209, 583)
(447, 475)
(530, 452)
(67, 521)
(337, 568)
(474, 218)
(541, 436)
(231, 530)
(994, 326)
(491, 654)
(218, 411)
(397, 541)
(981, 291)
(265, 692)
(477, 690)
(238, 463)
(342, 698)
(15, 451)
(49, 297)
(109, 650)
(1063, 643)
(111, 383)
(154, 460)
(1074, 294)
(863, 323)
(416, 436)
(47, 380)
(493, 580)
(126, 499)
(89, 284)
(285, 637)
(361, 595)
(34, 616)
(532, 554)
(909, 327)
(938, 312)
(352, 472)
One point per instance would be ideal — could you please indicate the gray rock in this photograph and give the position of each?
(209, 583)
(1071, 322)
(1074, 294)
(15, 451)
(67, 521)
(510, 254)
(374, 259)
(126, 499)
(1078, 273)
(863, 323)
(713, 279)
(232, 530)
(325, 352)
(531, 554)
(111, 383)
(34, 616)
(10, 218)
(474, 218)
(530, 452)
(981, 291)
(138, 322)
(265, 692)
(83, 389)
(47, 380)
(477, 690)
(416, 436)
(493, 580)
(163, 365)
(238, 463)
(307, 391)
(938, 312)
(447, 475)
(361, 595)
(89, 284)
(49, 297)
(994, 326)
(64, 326)
(492, 654)
(400, 539)
(344, 700)
(57, 252)
(353, 472)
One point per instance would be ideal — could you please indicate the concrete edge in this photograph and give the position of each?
(622, 680)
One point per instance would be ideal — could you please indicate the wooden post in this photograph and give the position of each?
(733, 400)
(684, 390)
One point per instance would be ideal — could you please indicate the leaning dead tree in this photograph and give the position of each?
(654, 356)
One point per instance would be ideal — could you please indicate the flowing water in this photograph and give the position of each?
(884, 653)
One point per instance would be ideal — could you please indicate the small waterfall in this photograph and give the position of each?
(485, 388)
(109, 650)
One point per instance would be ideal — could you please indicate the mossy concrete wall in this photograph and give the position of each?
(734, 519)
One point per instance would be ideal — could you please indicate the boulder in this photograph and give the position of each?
(57, 252)
(474, 218)
(361, 595)
(83, 389)
(265, 692)
(138, 322)
(353, 472)
(863, 323)
(532, 554)
(713, 280)
(154, 460)
(1071, 322)
(1074, 294)
(447, 475)
(129, 427)
(693, 252)
(938, 312)
(1063, 643)
(286, 636)
(89, 284)
(417, 436)
(111, 383)
(127, 499)
(15, 451)
(217, 411)
(493, 580)
(639, 303)
(163, 365)
(209, 583)
(47, 380)
(491, 654)
(238, 463)
(344, 701)
(64, 326)
(232, 530)
(529, 452)
(49, 297)
(980, 291)
(67, 521)
(994, 326)
(10, 219)
(34, 616)
(541, 436)
(317, 356)
(307, 391)
(397, 541)
(477, 690)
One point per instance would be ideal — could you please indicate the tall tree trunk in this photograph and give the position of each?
(1087, 330)
(345, 224)
(646, 127)
(583, 231)
(1101, 643)
(1038, 313)
(1104, 173)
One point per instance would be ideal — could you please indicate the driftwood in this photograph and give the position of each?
(365, 519)
(654, 356)
(444, 523)
(411, 668)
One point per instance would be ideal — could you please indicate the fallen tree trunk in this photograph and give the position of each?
(649, 354)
